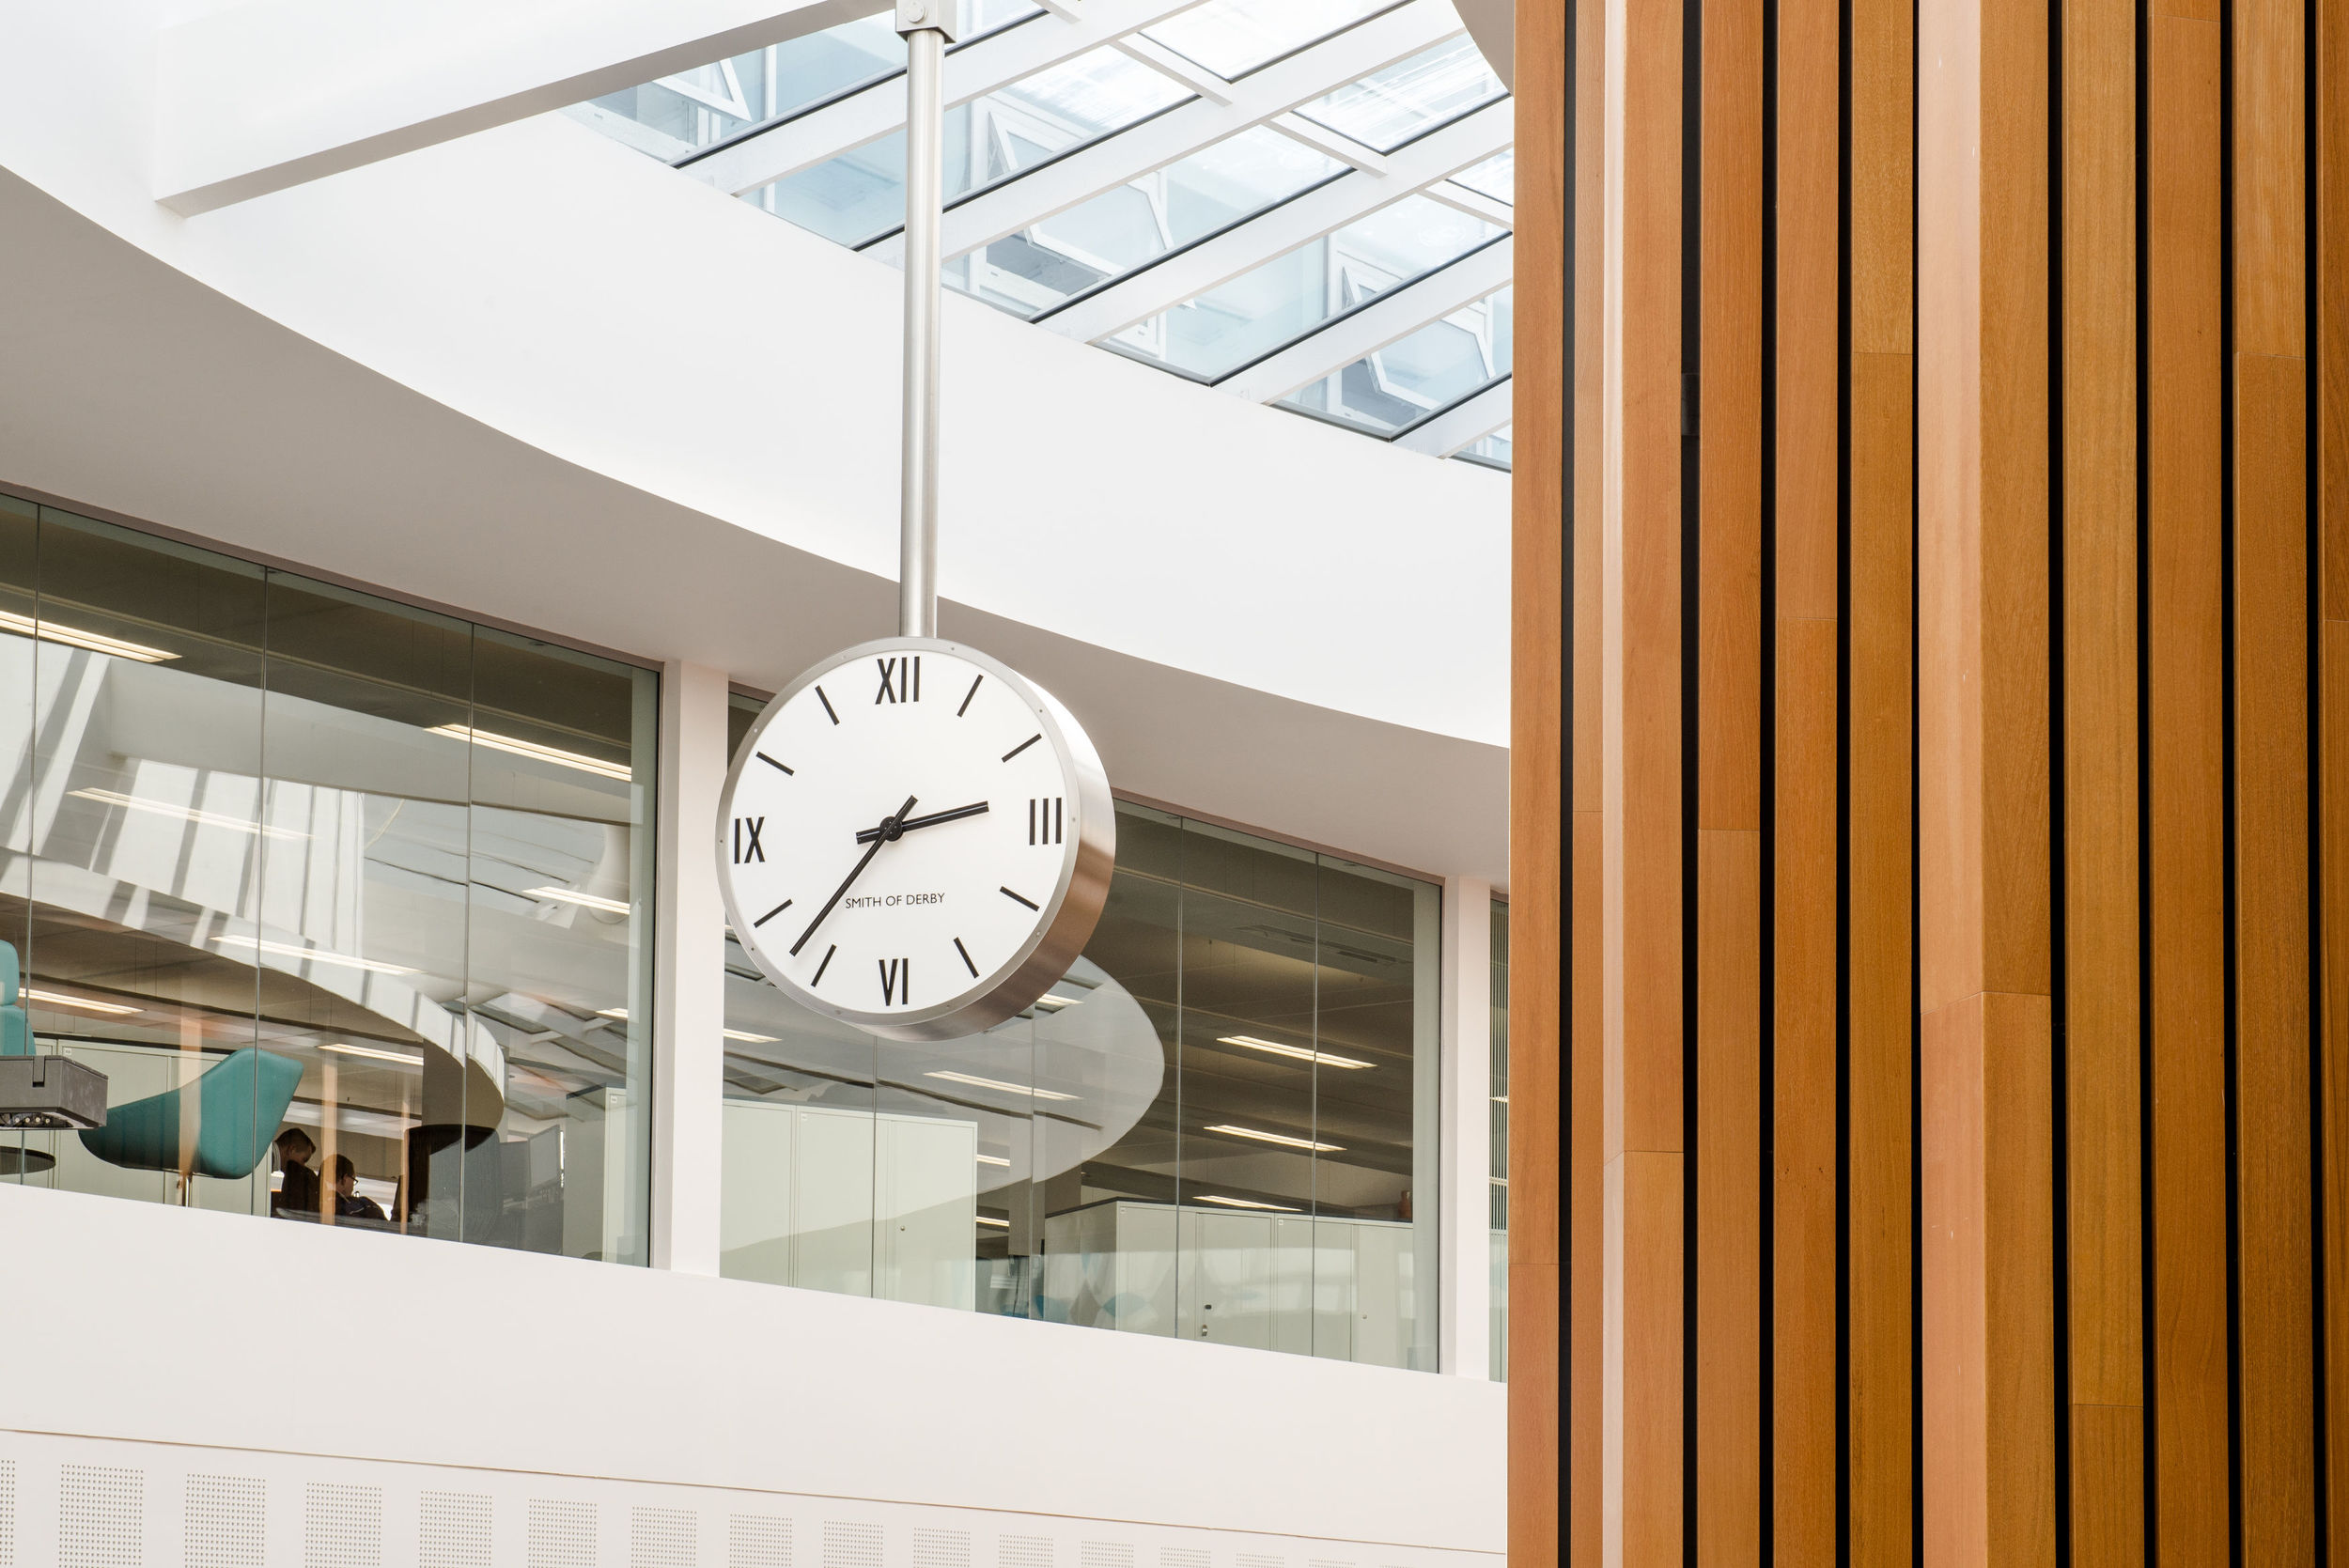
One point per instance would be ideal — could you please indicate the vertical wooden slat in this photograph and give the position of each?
(1537, 770)
(1728, 1435)
(1806, 1386)
(2330, 264)
(2100, 804)
(1880, 864)
(1642, 787)
(2184, 668)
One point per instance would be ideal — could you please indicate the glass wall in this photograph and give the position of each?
(1220, 1125)
(1501, 1139)
(346, 901)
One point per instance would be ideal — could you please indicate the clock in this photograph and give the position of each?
(915, 840)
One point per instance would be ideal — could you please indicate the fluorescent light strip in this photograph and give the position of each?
(184, 813)
(1499, 1181)
(73, 637)
(375, 1055)
(537, 752)
(748, 1038)
(619, 1013)
(1000, 1086)
(314, 955)
(58, 998)
(1247, 1203)
(1295, 1052)
(993, 1160)
(1055, 1003)
(990, 1219)
(592, 900)
(1501, 1099)
(1281, 1138)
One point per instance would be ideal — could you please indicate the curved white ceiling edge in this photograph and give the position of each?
(581, 299)
(1493, 24)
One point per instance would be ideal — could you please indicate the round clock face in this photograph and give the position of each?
(915, 840)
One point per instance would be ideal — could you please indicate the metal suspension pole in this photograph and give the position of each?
(927, 25)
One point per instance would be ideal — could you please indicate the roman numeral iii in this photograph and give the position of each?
(746, 848)
(896, 981)
(1045, 821)
(900, 680)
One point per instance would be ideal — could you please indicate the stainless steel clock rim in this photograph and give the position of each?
(1069, 914)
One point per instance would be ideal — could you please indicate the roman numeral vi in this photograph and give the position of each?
(896, 981)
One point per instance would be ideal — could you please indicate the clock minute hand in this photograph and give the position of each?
(887, 830)
(869, 834)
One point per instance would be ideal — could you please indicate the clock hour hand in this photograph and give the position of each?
(882, 834)
(869, 834)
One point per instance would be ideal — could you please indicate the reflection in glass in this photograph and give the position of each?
(1391, 389)
(1232, 37)
(860, 197)
(1236, 323)
(1206, 1130)
(1389, 107)
(1126, 229)
(1492, 451)
(343, 898)
(1501, 1139)
(1496, 176)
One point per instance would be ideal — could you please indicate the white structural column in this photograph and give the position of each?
(689, 972)
(1465, 1338)
(257, 97)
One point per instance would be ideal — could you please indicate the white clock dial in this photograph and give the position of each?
(915, 840)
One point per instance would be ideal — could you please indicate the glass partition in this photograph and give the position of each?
(1501, 1139)
(346, 901)
(1218, 1125)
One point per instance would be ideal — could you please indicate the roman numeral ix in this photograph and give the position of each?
(900, 680)
(896, 981)
(1045, 821)
(746, 848)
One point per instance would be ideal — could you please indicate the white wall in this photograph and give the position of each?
(354, 1352)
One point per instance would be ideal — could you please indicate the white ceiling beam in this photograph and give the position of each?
(1345, 149)
(1387, 319)
(1476, 204)
(1158, 58)
(1138, 150)
(978, 68)
(1470, 420)
(270, 94)
(1434, 157)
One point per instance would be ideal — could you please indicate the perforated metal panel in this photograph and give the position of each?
(7, 1514)
(1182, 1557)
(758, 1541)
(225, 1522)
(101, 1516)
(662, 1537)
(847, 1545)
(1246, 1560)
(1024, 1551)
(562, 1534)
(942, 1549)
(453, 1530)
(1106, 1554)
(342, 1527)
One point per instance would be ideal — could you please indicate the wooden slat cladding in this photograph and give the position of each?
(2009, 1024)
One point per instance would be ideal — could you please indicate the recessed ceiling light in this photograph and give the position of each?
(990, 1219)
(1500, 1181)
(1055, 1003)
(592, 900)
(184, 814)
(314, 955)
(619, 1013)
(374, 1054)
(747, 1037)
(1501, 1099)
(537, 752)
(75, 637)
(1000, 1086)
(58, 998)
(1246, 1203)
(1281, 1138)
(993, 1160)
(1298, 1053)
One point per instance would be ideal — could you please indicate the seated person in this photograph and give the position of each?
(297, 1195)
(348, 1204)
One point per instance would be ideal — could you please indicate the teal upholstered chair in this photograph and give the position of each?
(16, 1033)
(240, 1101)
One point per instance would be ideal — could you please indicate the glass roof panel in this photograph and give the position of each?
(1496, 176)
(1237, 322)
(860, 197)
(1233, 37)
(1397, 386)
(1125, 229)
(1493, 450)
(1389, 107)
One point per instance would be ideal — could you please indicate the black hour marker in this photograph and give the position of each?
(822, 967)
(1015, 898)
(769, 761)
(1045, 821)
(968, 695)
(966, 958)
(900, 680)
(771, 914)
(1023, 746)
(746, 849)
(896, 981)
(827, 702)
